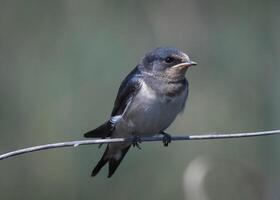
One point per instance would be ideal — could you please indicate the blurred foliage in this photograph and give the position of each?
(60, 66)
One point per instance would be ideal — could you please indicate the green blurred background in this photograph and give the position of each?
(61, 63)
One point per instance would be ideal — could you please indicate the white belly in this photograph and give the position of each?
(149, 114)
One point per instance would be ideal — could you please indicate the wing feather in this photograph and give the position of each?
(128, 89)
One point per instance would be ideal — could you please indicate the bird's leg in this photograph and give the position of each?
(100, 145)
(135, 141)
(166, 139)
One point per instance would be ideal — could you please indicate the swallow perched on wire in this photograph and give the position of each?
(148, 101)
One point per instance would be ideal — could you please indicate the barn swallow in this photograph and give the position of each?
(148, 101)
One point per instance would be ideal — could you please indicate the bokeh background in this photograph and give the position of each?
(61, 63)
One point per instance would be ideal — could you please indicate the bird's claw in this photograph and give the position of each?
(135, 142)
(166, 139)
(100, 145)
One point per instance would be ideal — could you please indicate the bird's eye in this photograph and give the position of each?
(169, 59)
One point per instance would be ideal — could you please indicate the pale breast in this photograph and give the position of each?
(150, 113)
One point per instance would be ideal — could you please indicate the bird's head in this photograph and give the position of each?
(169, 62)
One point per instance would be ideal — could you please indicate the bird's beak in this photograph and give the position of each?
(191, 63)
(185, 64)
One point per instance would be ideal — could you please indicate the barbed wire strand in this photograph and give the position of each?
(141, 139)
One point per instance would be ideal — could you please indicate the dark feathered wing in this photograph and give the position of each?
(102, 131)
(128, 89)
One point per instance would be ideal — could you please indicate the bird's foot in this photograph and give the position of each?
(100, 145)
(166, 139)
(136, 141)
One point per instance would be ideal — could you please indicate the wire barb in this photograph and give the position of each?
(130, 139)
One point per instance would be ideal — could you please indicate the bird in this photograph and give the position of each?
(148, 101)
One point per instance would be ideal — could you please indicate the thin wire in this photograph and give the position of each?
(130, 139)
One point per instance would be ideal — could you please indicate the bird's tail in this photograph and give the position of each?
(113, 159)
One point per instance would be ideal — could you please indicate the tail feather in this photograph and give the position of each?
(114, 157)
(114, 161)
(101, 163)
